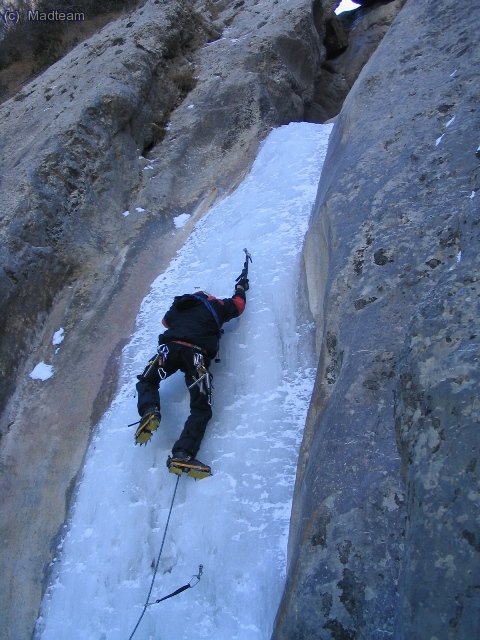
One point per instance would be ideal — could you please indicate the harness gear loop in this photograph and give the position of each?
(152, 363)
(204, 379)
(198, 361)
(162, 359)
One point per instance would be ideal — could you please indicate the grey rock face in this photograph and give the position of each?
(69, 163)
(257, 74)
(437, 421)
(384, 537)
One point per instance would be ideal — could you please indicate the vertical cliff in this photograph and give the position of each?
(385, 532)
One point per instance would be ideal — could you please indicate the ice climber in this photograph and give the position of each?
(191, 340)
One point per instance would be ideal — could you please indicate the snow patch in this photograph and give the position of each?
(58, 337)
(42, 371)
(181, 220)
(346, 5)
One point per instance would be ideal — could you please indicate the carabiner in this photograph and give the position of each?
(196, 577)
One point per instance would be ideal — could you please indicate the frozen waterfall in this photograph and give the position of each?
(236, 522)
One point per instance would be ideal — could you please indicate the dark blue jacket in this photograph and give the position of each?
(198, 318)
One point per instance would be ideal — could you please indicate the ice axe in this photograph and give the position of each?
(244, 275)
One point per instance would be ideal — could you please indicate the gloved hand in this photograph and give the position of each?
(243, 283)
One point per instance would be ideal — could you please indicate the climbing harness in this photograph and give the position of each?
(204, 377)
(189, 344)
(193, 581)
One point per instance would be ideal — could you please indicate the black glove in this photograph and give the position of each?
(243, 283)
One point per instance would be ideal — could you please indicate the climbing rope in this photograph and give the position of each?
(147, 603)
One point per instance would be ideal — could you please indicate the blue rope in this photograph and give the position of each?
(158, 562)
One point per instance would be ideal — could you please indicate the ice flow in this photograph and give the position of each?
(236, 522)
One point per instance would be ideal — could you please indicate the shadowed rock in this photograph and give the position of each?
(159, 113)
(384, 535)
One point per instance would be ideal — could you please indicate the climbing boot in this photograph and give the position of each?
(182, 462)
(148, 424)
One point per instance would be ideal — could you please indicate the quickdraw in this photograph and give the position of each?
(194, 580)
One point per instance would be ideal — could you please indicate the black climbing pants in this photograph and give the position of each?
(179, 357)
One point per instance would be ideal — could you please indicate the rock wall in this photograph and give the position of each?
(70, 147)
(385, 533)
